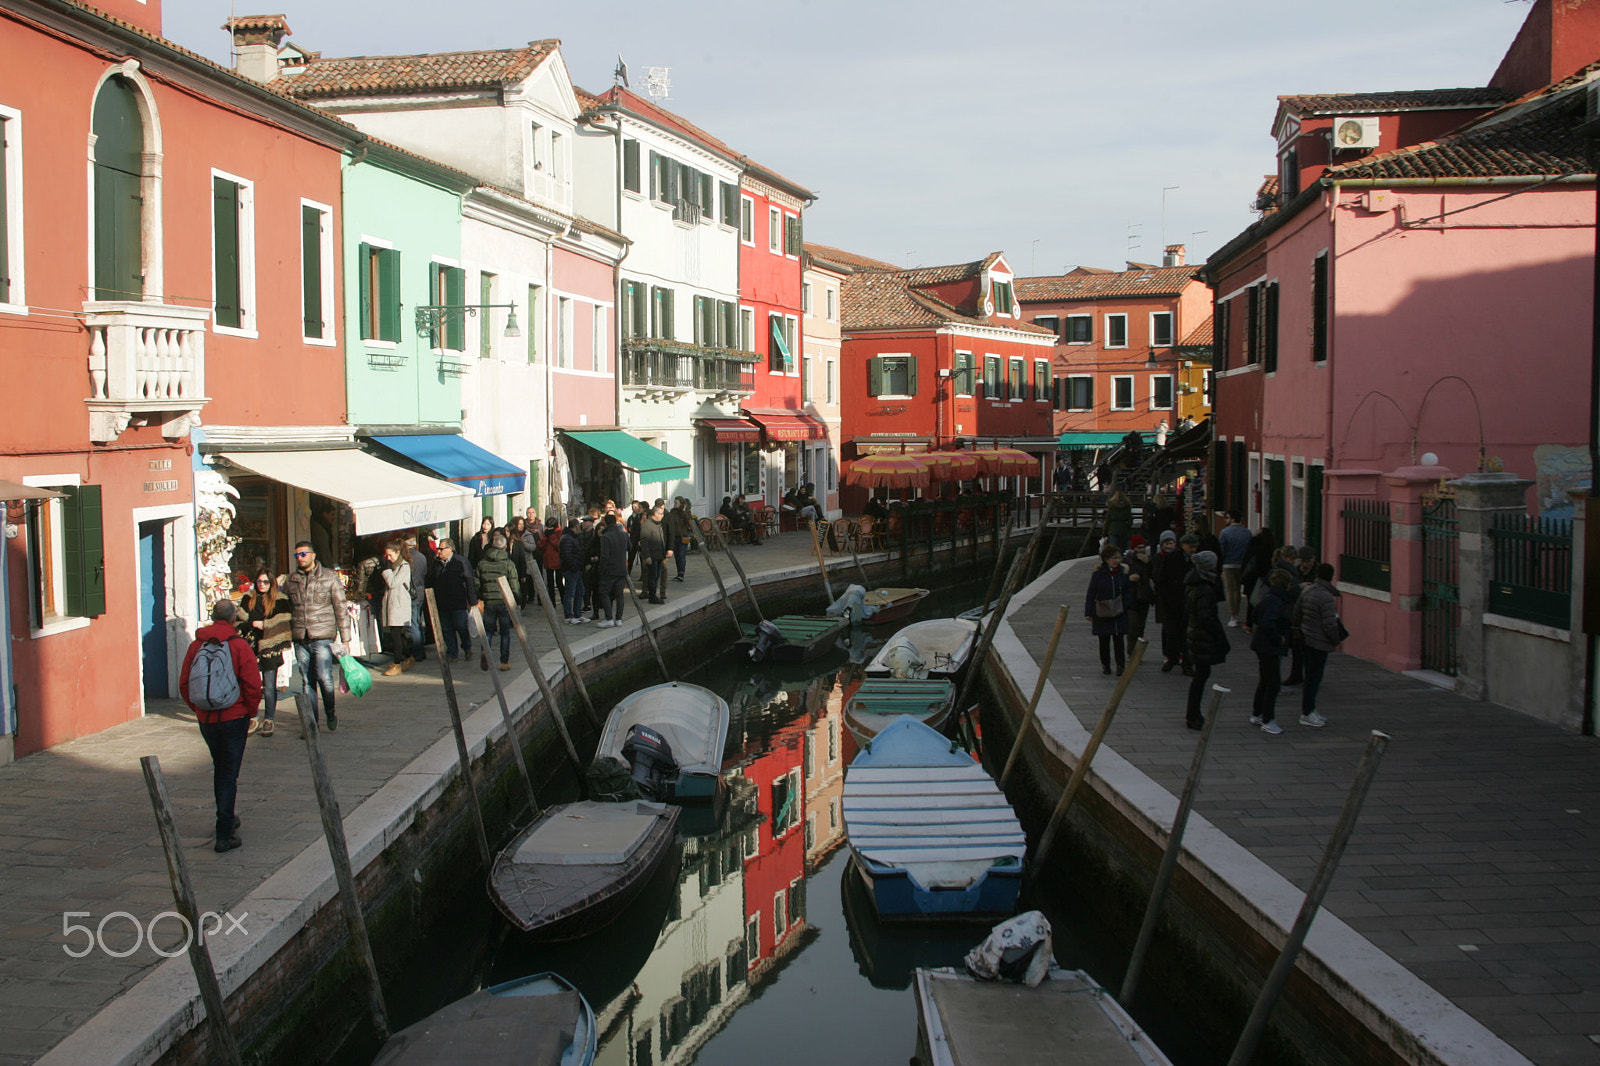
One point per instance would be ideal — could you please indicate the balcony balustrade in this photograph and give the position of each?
(147, 364)
(669, 367)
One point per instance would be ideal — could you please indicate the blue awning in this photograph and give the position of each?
(460, 462)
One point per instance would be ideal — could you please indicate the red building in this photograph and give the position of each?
(938, 357)
(185, 275)
(775, 867)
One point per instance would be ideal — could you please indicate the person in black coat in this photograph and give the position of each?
(1171, 565)
(1269, 639)
(1106, 605)
(1206, 637)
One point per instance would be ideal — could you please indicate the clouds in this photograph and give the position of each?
(958, 128)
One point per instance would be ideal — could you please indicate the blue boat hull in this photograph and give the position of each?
(896, 894)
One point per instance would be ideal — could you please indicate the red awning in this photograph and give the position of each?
(790, 425)
(732, 430)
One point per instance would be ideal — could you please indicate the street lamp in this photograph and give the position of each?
(433, 317)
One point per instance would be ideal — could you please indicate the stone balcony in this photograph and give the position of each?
(660, 369)
(147, 364)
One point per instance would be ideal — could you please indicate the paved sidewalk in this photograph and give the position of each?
(77, 833)
(1476, 864)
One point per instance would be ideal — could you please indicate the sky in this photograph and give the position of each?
(938, 132)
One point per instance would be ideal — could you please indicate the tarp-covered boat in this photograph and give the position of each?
(533, 1021)
(879, 701)
(793, 638)
(891, 604)
(938, 647)
(668, 739)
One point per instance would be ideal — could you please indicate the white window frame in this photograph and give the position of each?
(1112, 399)
(1049, 375)
(11, 164)
(597, 342)
(1207, 384)
(784, 236)
(805, 298)
(330, 313)
(971, 382)
(374, 342)
(747, 221)
(831, 295)
(558, 168)
(1107, 325)
(247, 258)
(1172, 392)
(774, 229)
(1040, 320)
(831, 380)
(1066, 336)
(747, 328)
(791, 327)
(564, 323)
(437, 299)
(1172, 329)
(895, 395)
(1016, 380)
(1294, 508)
(57, 548)
(1079, 377)
(807, 368)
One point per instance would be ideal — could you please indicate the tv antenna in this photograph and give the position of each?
(658, 82)
(1133, 237)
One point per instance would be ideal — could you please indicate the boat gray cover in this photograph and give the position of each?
(693, 720)
(489, 1030)
(588, 834)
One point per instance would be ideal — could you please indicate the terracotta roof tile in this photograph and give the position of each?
(1397, 100)
(878, 298)
(1199, 337)
(849, 259)
(1083, 284)
(385, 75)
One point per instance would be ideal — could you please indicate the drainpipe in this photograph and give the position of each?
(1589, 651)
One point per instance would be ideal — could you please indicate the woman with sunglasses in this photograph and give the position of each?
(265, 625)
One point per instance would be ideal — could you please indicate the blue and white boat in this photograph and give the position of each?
(931, 834)
(540, 1020)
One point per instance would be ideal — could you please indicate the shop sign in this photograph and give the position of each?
(160, 486)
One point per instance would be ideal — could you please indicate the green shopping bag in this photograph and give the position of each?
(355, 675)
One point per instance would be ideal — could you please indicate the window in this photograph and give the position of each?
(747, 220)
(780, 353)
(635, 316)
(730, 204)
(786, 802)
(233, 253)
(447, 287)
(558, 165)
(1161, 329)
(792, 241)
(892, 375)
(833, 303)
(535, 326)
(11, 261)
(805, 297)
(630, 165)
(774, 230)
(563, 332)
(1161, 392)
(806, 370)
(485, 325)
(535, 147)
(705, 321)
(1049, 322)
(962, 374)
(661, 314)
(747, 329)
(1116, 331)
(1219, 345)
(66, 554)
(1041, 380)
(1122, 392)
(1207, 393)
(118, 192)
(993, 382)
(1001, 292)
(380, 292)
(1269, 328)
(1252, 325)
(727, 324)
(708, 203)
(597, 340)
(1080, 329)
(1018, 385)
(1080, 392)
(831, 396)
(1319, 306)
(316, 271)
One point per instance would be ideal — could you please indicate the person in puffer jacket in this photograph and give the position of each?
(1317, 616)
(225, 731)
(572, 564)
(316, 597)
(1206, 638)
(496, 563)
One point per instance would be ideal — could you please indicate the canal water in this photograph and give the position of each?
(754, 942)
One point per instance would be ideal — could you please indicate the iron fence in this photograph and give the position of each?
(1532, 569)
(1365, 559)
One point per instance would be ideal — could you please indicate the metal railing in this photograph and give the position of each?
(1367, 532)
(660, 364)
(1532, 577)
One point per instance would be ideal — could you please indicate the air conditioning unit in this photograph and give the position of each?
(1355, 133)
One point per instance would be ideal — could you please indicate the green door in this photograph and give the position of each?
(1277, 504)
(118, 207)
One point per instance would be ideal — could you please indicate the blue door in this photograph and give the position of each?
(153, 606)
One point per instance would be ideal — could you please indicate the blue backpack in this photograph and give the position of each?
(213, 684)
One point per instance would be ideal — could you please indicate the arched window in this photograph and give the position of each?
(118, 205)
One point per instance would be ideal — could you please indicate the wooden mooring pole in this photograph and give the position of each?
(500, 696)
(1019, 563)
(722, 589)
(566, 651)
(224, 1047)
(1038, 690)
(543, 681)
(464, 756)
(822, 564)
(644, 620)
(750, 590)
(1169, 860)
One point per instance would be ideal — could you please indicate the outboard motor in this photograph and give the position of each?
(655, 771)
(768, 637)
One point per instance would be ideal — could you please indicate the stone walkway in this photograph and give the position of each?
(77, 833)
(1476, 864)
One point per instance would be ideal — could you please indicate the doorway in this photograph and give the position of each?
(153, 608)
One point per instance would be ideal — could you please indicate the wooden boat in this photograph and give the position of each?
(693, 723)
(941, 645)
(579, 864)
(888, 954)
(1068, 1020)
(793, 638)
(891, 605)
(931, 835)
(879, 701)
(533, 1021)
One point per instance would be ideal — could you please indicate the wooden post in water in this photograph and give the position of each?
(1081, 771)
(500, 695)
(461, 740)
(1169, 860)
(722, 589)
(339, 851)
(644, 620)
(1279, 976)
(1038, 690)
(822, 564)
(994, 578)
(543, 682)
(566, 651)
(750, 590)
(1019, 563)
(224, 1047)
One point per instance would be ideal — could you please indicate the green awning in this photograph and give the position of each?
(1093, 439)
(646, 460)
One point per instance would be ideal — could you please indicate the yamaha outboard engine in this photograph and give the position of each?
(655, 771)
(768, 636)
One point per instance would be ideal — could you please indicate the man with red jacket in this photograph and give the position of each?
(224, 731)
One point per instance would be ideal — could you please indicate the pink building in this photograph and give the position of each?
(1415, 313)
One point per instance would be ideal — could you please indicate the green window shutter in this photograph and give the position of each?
(434, 290)
(730, 204)
(455, 295)
(118, 155)
(875, 376)
(1277, 512)
(485, 292)
(83, 555)
(1313, 537)
(311, 271)
(727, 325)
(911, 375)
(388, 296)
(533, 326)
(1271, 345)
(630, 165)
(225, 239)
(1219, 475)
(791, 235)
(699, 319)
(364, 269)
(1319, 308)
(1238, 483)
(655, 176)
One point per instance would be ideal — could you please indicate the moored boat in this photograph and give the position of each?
(579, 864)
(879, 701)
(892, 604)
(793, 638)
(931, 835)
(937, 647)
(668, 740)
(540, 1020)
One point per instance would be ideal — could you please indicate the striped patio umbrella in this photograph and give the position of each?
(887, 472)
(1005, 462)
(952, 466)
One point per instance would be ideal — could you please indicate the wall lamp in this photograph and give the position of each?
(433, 317)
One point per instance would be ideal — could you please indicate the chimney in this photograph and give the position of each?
(1558, 38)
(1174, 256)
(255, 42)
